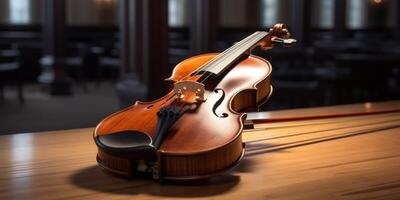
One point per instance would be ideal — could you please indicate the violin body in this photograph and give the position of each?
(178, 137)
(199, 144)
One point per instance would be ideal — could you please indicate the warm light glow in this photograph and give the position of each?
(21, 146)
(377, 1)
(105, 2)
(21, 149)
(368, 105)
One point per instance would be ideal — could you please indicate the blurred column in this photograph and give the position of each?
(54, 75)
(155, 46)
(130, 20)
(340, 30)
(300, 21)
(397, 20)
(106, 11)
(203, 25)
(4, 12)
(253, 13)
(144, 52)
(378, 14)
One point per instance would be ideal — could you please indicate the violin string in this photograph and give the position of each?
(322, 121)
(210, 63)
(246, 41)
(260, 139)
(218, 57)
(249, 40)
(232, 48)
(252, 38)
(226, 52)
(207, 64)
(319, 139)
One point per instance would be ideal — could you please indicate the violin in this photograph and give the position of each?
(195, 130)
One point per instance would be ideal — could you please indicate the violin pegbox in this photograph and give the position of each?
(277, 35)
(280, 31)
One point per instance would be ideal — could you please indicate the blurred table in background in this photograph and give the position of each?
(342, 157)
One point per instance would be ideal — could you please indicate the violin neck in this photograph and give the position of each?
(231, 55)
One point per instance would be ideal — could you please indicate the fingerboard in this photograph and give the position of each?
(222, 62)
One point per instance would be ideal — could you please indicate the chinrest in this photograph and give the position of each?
(127, 144)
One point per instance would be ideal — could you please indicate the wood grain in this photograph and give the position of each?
(363, 165)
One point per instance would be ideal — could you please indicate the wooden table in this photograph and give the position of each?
(353, 157)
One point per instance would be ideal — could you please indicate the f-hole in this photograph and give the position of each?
(222, 115)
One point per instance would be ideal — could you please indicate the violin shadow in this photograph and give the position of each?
(93, 178)
(246, 165)
(249, 162)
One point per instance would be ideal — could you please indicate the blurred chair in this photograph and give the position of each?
(368, 75)
(108, 65)
(129, 89)
(9, 65)
(75, 68)
(76, 64)
(293, 78)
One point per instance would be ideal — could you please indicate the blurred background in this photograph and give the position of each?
(69, 63)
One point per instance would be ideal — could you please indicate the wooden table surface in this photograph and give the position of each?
(354, 157)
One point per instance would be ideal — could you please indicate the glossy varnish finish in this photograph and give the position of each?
(60, 164)
(200, 143)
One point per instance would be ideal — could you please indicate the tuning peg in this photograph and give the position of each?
(279, 30)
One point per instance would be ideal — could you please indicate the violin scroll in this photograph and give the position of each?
(280, 31)
(277, 35)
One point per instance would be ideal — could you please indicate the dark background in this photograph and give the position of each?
(70, 63)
